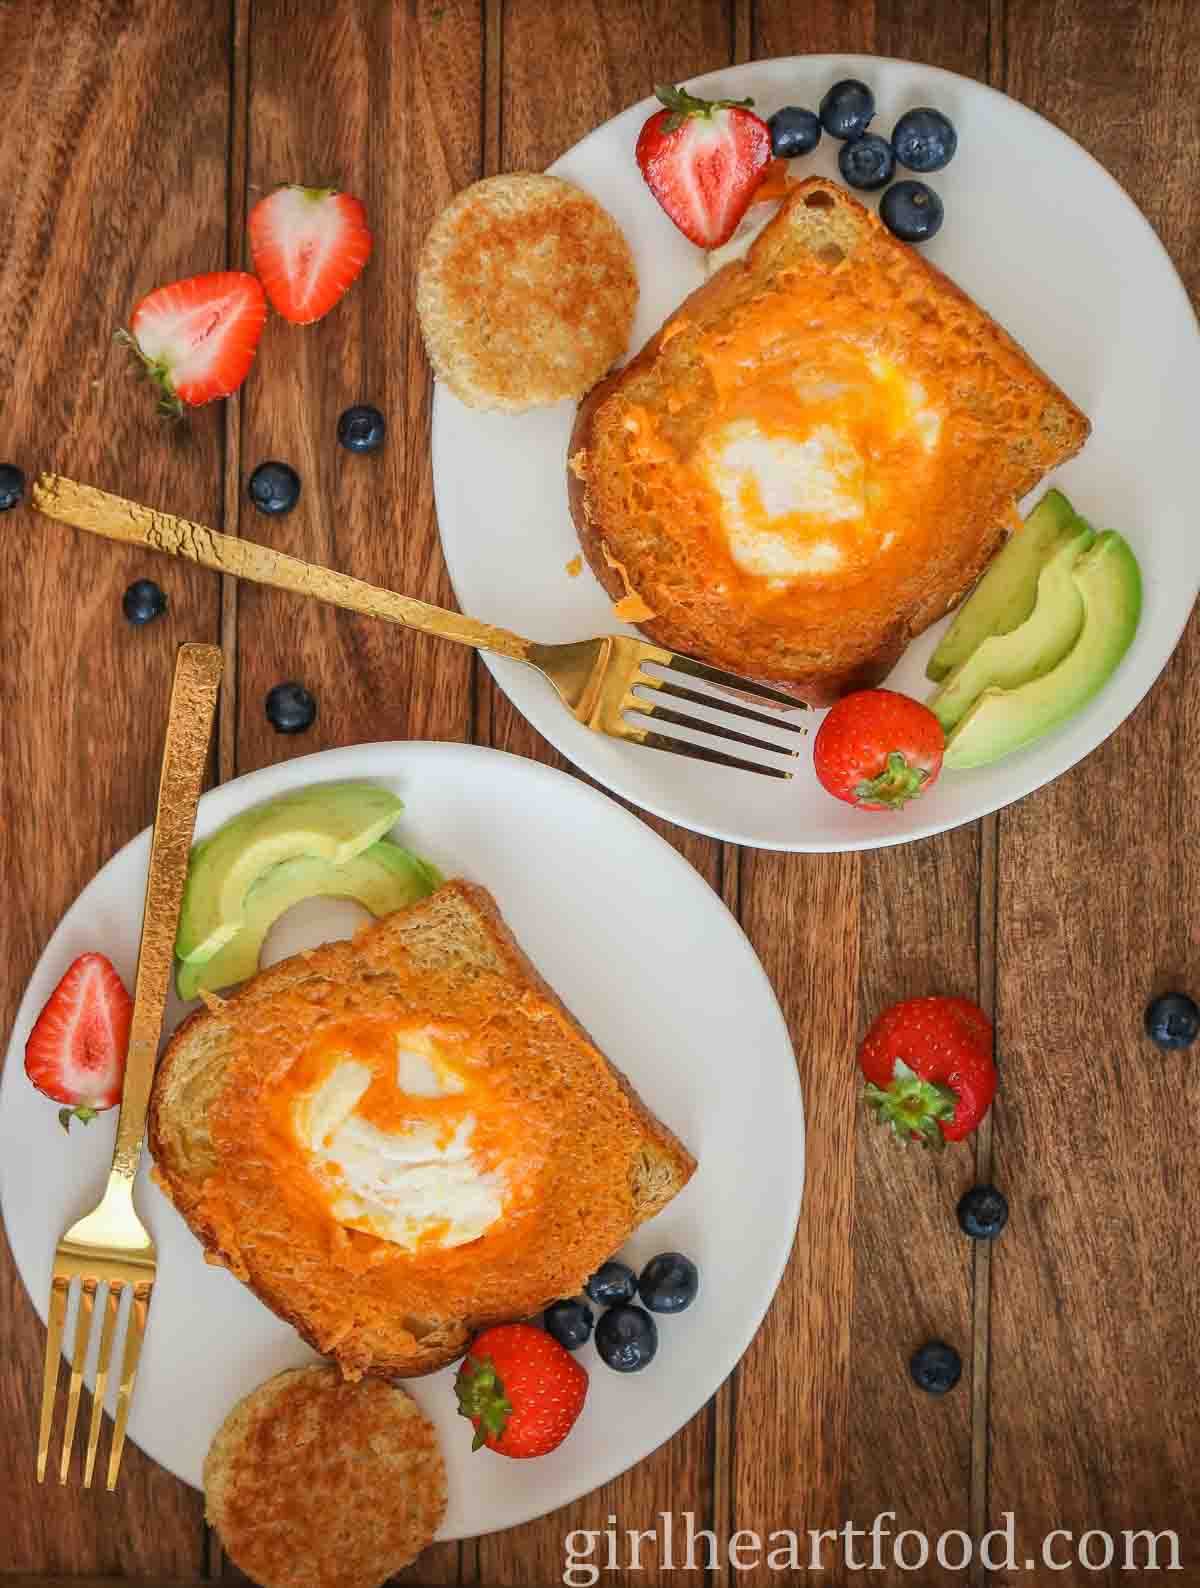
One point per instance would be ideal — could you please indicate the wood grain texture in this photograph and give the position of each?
(109, 192)
(1095, 1422)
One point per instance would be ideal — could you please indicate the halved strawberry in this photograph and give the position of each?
(703, 159)
(197, 338)
(76, 1051)
(309, 244)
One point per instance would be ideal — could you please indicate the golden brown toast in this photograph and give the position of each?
(816, 456)
(315, 1483)
(559, 1136)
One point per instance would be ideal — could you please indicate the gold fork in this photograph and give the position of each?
(596, 679)
(111, 1246)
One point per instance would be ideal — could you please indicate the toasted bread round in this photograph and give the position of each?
(816, 456)
(316, 1483)
(525, 291)
(584, 1161)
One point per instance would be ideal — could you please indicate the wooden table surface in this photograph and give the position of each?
(136, 135)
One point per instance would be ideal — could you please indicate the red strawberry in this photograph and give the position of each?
(929, 1068)
(878, 750)
(521, 1390)
(197, 338)
(702, 159)
(76, 1050)
(308, 244)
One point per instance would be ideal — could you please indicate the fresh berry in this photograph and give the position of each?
(936, 1367)
(361, 428)
(290, 708)
(274, 488)
(794, 132)
(309, 244)
(982, 1212)
(196, 339)
(12, 486)
(911, 211)
(878, 750)
(522, 1391)
(847, 109)
(143, 602)
(1173, 1021)
(611, 1284)
(76, 1051)
(929, 1069)
(669, 1282)
(867, 162)
(924, 140)
(626, 1339)
(703, 159)
(569, 1322)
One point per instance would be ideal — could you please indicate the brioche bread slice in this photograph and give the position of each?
(815, 457)
(584, 1161)
(315, 1483)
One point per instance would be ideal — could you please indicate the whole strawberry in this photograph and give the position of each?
(522, 1391)
(878, 749)
(929, 1069)
(703, 159)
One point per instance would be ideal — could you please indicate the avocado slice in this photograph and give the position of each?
(333, 820)
(1034, 647)
(1002, 720)
(383, 878)
(1006, 594)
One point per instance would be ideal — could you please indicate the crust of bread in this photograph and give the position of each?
(817, 222)
(612, 1166)
(313, 1482)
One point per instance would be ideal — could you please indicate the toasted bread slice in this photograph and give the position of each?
(815, 457)
(576, 1158)
(315, 1483)
(525, 291)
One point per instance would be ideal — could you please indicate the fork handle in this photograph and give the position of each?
(85, 507)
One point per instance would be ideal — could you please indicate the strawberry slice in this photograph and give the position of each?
(76, 1051)
(196, 339)
(309, 244)
(703, 159)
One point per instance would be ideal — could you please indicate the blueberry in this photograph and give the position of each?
(669, 1282)
(569, 1322)
(982, 1212)
(290, 708)
(924, 140)
(626, 1339)
(274, 487)
(1173, 1021)
(794, 132)
(911, 211)
(847, 109)
(612, 1282)
(12, 486)
(361, 428)
(867, 162)
(143, 602)
(936, 1367)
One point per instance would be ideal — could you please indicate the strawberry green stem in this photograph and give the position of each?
(895, 785)
(913, 1107)
(683, 105)
(481, 1398)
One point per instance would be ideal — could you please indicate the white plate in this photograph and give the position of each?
(1040, 235)
(648, 958)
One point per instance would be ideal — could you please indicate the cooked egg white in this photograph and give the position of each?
(415, 1185)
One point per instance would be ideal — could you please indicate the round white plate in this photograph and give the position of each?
(1044, 239)
(645, 955)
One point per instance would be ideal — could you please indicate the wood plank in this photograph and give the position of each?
(606, 55)
(1095, 1355)
(109, 193)
(383, 101)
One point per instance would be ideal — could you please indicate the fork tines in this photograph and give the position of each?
(660, 711)
(89, 1286)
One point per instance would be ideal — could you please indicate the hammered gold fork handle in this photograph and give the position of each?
(85, 507)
